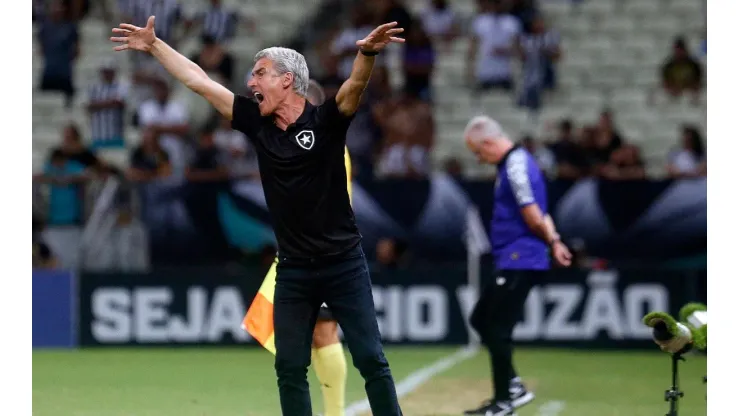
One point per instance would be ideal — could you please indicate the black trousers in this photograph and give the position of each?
(344, 284)
(499, 307)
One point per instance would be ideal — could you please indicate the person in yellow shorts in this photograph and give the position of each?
(327, 354)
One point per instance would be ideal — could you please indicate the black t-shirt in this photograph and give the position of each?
(570, 153)
(206, 159)
(84, 157)
(304, 178)
(148, 161)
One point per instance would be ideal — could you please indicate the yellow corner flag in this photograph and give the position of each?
(258, 320)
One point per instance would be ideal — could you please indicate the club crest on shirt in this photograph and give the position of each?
(305, 139)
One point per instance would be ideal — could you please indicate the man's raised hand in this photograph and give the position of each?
(380, 37)
(133, 37)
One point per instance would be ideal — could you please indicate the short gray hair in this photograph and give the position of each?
(483, 127)
(286, 60)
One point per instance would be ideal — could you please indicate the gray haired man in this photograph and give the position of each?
(300, 148)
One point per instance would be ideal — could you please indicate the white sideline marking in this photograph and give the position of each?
(551, 408)
(419, 377)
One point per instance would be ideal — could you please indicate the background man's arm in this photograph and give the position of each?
(541, 225)
(193, 76)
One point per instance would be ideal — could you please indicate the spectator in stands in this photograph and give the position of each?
(64, 178)
(681, 73)
(169, 16)
(524, 10)
(330, 79)
(78, 9)
(60, 47)
(393, 11)
(689, 160)
(344, 47)
(391, 254)
(39, 10)
(491, 48)
(162, 208)
(418, 62)
(587, 140)
(453, 167)
(106, 107)
(42, 257)
(208, 164)
(542, 154)
(125, 10)
(625, 163)
(168, 119)
(569, 155)
(408, 130)
(218, 22)
(608, 131)
(146, 68)
(214, 59)
(600, 141)
(74, 149)
(238, 155)
(364, 134)
(148, 161)
(440, 21)
(537, 47)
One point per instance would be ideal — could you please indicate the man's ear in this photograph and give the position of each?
(288, 79)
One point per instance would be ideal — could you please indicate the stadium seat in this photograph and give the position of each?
(612, 55)
(49, 113)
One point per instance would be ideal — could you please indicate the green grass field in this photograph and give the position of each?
(226, 382)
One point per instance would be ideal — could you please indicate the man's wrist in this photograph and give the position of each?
(369, 53)
(553, 240)
(155, 45)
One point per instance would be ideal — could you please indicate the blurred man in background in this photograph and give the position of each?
(681, 73)
(59, 41)
(521, 233)
(491, 49)
(106, 107)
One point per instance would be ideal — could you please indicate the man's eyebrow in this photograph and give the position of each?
(258, 70)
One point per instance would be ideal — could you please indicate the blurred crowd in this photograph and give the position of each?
(599, 150)
(394, 130)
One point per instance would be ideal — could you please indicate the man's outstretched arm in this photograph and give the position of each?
(182, 68)
(349, 95)
(194, 77)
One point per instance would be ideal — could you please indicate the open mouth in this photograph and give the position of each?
(259, 97)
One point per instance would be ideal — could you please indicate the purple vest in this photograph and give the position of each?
(519, 182)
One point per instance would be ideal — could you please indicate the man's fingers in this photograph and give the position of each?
(119, 30)
(386, 26)
(121, 47)
(114, 39)
(397, 40)
(129, 27)
(150, 23)
(382, 28)
(361, 42)
(394, 31)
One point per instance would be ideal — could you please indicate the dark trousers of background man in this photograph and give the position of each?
(500, 306)
(344, 284)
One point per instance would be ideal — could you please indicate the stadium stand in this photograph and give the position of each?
(612, 54)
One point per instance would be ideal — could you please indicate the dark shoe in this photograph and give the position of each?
(500, 409)
(520, 395)
(479, 410)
